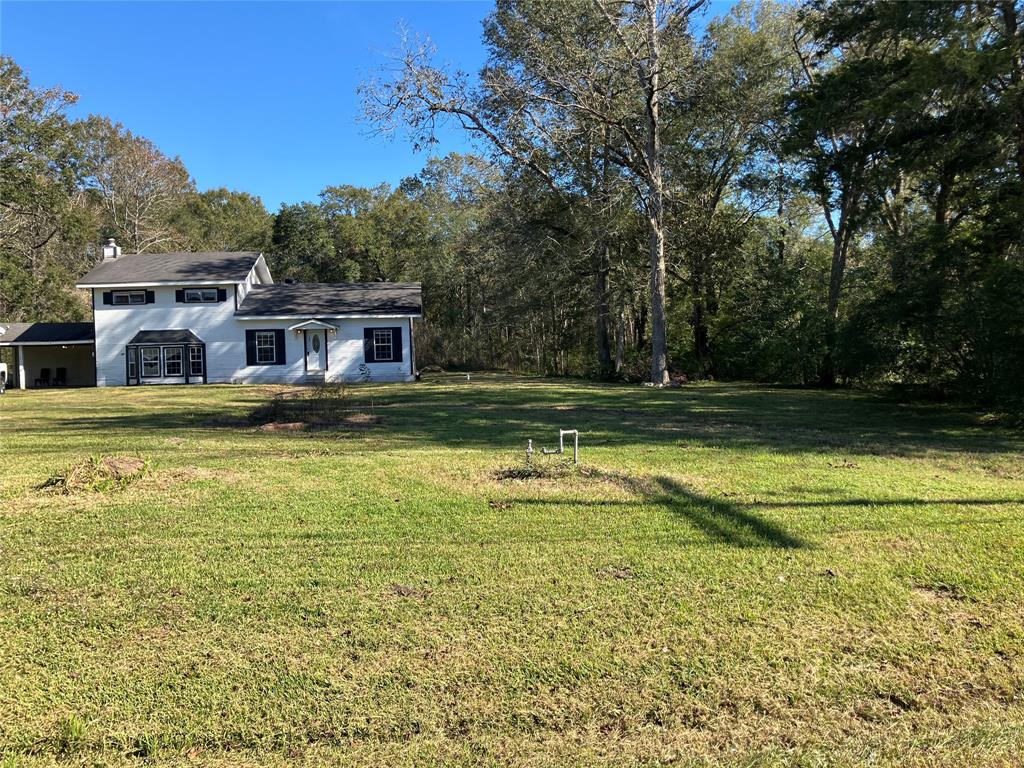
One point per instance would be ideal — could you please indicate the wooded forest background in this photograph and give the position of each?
(829, 194)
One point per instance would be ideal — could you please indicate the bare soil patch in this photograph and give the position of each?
(546, 471)
(621, 573)
(279, 426)
(942, 591)
(322, 407)
(404, 590)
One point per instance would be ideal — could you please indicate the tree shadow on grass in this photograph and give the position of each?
(737, 523)
(978, 502)
(721, 520)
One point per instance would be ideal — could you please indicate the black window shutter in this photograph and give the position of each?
(368, 354)
(279, 346)
(150, 297)
(179, 295)
(222, 294)
(396, 345)
(250, 347)
(108, 297)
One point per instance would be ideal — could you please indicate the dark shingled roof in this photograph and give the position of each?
(47, 333)
(207, 267)
(183, 336)
(332, 299)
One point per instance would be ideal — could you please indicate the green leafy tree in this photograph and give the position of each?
(46, 221)
(301, 247)
(939, 180)
(224, 220)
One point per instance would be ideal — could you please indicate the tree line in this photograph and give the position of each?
(829, 194)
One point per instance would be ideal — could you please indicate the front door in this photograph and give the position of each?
(316, 350)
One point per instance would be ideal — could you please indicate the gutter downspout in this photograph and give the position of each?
(412, 352)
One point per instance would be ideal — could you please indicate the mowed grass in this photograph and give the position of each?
(742, 576)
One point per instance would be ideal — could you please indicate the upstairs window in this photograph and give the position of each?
(200, 295)
(124, 298)
(128, 297)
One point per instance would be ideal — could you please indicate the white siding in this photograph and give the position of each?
(116, 325)
(345, 352)
(224, 336)
(253, 278)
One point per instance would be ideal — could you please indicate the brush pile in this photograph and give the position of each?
(98, 474)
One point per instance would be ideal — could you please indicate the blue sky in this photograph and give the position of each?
(254, 96)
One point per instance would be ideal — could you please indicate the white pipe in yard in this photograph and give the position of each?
(561, 445)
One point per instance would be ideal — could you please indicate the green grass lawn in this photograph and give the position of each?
(742, 576)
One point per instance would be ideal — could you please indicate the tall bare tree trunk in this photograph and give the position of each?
(601, 269)
(620, 337)
(602, 336)
(650, 80)
(840, 246)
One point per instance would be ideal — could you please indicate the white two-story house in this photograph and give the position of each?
(190, 318)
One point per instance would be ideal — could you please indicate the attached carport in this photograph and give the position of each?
(50, 354)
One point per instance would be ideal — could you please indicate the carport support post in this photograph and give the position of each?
(21, 367)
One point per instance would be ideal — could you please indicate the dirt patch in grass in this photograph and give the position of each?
(322, 407)
(361, 419)
(281, 426)
(621, 573)
(844, 464)
(404, 590)
(99, 474)
(941, 591)
(548, 471)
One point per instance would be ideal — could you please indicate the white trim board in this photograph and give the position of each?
(157, 283)
(82, 343)
(318, 315)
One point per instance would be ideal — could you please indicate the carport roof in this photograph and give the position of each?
(28, 334)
